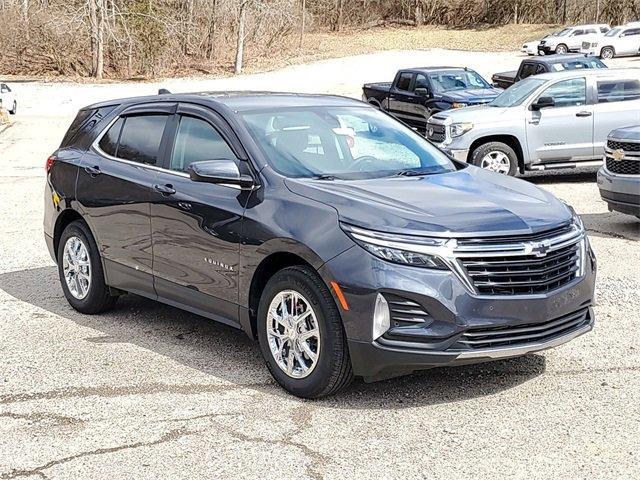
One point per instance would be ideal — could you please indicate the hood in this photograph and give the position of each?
(478, 114)
(472, 95)
(626, 133)
(469, 202)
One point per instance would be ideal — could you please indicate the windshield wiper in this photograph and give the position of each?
(324, 177)
(410, 173)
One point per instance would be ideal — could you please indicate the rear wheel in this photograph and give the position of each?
(497, 157)
(301, 336)
(80, 270)
(562, 49)
(607, 52)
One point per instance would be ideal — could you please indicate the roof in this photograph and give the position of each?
(558, 58)
(241, 100)
(591, 72)
(432, 69)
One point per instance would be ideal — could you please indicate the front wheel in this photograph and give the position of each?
(496, 157)
(80, 270)
(561, 49)
(301, 336)
(607, 53)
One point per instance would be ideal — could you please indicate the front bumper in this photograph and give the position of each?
(621, 192)
(461, 154)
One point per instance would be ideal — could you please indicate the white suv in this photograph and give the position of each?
(620, 41)
(8, 99)
(570, 39)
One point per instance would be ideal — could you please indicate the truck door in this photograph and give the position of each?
(617, 105)
(400, 97)
(564, 132)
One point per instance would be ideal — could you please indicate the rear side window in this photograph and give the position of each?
(197, 140)
(528, 69)
(109, 141)
(618, 91)
(85, 122)
(404, 82)
(140, 138)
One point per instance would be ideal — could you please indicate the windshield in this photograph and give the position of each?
(612, 33)
(562, 33)
(589, 62)
(517, 93)
(456, 80)
(342, 143)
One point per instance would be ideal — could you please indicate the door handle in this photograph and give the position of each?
(165, 189)
(583, 114)
(93, 171)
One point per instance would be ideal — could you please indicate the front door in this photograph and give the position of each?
(564, 132)
(196, 227)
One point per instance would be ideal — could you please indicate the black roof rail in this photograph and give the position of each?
(164, 91)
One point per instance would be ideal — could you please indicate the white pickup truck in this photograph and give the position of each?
(617, 42)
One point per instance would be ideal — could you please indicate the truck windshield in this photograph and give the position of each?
(517, 93)
(456, 80)
(587, 62)
(341, 143)
(612, 33)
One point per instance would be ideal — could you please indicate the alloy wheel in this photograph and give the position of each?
(76, 267)
(293, 334)
(496, 161)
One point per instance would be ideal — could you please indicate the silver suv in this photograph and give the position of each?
(552, 120)
(619, 177)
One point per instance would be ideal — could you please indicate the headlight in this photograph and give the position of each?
(459, 129)
(458, 105)
(399, 249)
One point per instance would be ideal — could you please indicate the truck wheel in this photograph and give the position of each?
(607, 52)
(562, 49)
(301, 336)
(496, 157)
(374, 102)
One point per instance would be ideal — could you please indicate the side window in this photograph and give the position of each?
(421, 82)
(577, 33)
(197, 140)
(591, 30)
(404, 82)
(528, 69)
(4, 88)
(540, 69)
(632, 32)
(568, 93)
(618, 91)
(604, 29)
(109, 141)
(140, 138)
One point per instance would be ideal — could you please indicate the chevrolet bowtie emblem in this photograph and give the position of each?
(618, 154)
(430, 131)
(540, 249)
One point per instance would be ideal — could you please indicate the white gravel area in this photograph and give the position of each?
(148, 391)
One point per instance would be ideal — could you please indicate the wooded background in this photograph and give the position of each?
(129, 38)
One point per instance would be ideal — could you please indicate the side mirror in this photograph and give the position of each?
(221, 172)
(543, 102)
(421, 92)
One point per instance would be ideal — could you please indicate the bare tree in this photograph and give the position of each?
(96, 33)
(303, 17)
(241, 36)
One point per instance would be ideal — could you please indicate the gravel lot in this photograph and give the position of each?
(148, 391)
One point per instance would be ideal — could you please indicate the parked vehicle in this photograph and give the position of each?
(341, 239)
(530, 48)
(538, 65)
(618, 42)
(417, 93)
(8, 99)
(619, 177)
(552, 120)
(570, 39)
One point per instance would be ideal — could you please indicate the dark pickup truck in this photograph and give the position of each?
(549, 63)
(417, 93)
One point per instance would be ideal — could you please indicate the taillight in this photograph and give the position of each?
(50, 161)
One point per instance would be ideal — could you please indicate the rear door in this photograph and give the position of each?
(562, 133)
(114, 189)
(196, 226)
(617, 105)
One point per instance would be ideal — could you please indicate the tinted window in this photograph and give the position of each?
(404, 81)
(591, 30)
(197, 140)
(5, 88)
(109, 141)
(632, 31)
(421, 82)
(577, 32)
(528, 69)
(604, 29)
(84, 122)
(140, 138)
(568, 93)
(618, 91)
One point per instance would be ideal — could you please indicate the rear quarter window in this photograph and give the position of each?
(84, 123)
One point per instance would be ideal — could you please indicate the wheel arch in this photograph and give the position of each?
(510, 140)
(65, 217)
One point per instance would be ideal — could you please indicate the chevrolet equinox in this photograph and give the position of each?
(341, 240)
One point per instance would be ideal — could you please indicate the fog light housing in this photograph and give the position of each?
(381, 317)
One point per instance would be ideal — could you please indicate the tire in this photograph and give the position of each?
(97, 297)
(497, 157)
(15, 108)
(561, 49)
(607, 53)
(375, 103)
(331, 370)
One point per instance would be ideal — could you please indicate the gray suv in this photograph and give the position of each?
(553, 120)
(619, 177)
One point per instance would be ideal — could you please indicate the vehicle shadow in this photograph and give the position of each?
(221, 351)
(612, 225)
(567, 176)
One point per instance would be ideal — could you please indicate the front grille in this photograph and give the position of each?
(492, 337)
(626, 146)
(435, 132)
(623, 167)
(561, 230)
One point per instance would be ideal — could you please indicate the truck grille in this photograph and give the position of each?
(623, 167)
(435, 132)
(522, 265)
(492, 337)
(626, 146)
